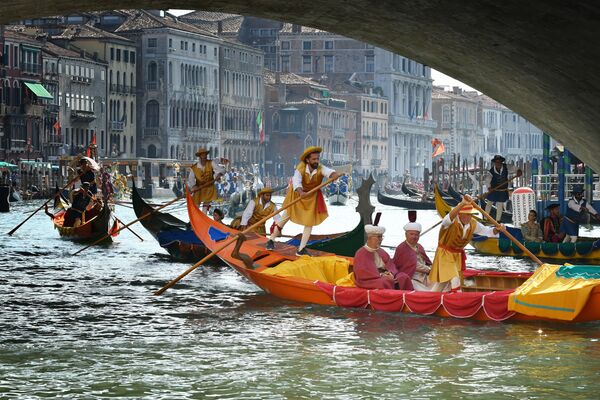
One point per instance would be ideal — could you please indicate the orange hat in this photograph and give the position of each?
(309, 150)
(265, 190)
(468, 209)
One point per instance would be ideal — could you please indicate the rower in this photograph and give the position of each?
(87, 175)
(310, 210)
(457, 230)
(80, 198)
(577, 208)
(257, 209)
(499, 181)
(202, 179)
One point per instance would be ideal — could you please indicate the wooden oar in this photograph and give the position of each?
(47, 201)
(483, 195)
(505, 231)
(235, 236)
(128, 228)
(134, 221)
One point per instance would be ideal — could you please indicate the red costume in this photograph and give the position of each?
(368, 276)
(405, 258)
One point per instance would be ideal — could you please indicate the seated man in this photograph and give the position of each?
(411, 259)
(552, 231)
(373, 267)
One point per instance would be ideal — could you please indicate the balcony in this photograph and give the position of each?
(339, 134)
(123, 89)
(376, 162)
(151, 132)
(117, 126)
(82, 116)
(33, 110)
(152, 85)
(29, 68)
(418, 121)
(81, 79)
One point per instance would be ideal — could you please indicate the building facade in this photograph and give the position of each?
(241, 102)
(120, 55)
(178, 86)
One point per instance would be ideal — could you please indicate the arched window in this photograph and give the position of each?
(152, 114)
(152, 151)
(310, 122)
(445, 114)
(152, 72)
(172, 151)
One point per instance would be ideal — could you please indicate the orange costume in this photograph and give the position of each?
(257, 210)
(311, 210)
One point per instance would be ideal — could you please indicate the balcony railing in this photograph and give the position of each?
(33, 110)
(81, 79)
(376, 162)
(124, 89)
(31, 68)
(339, 134)
(152, 85)
(83, 116)
(117, 126)
(151, 132)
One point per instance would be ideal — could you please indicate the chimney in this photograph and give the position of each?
(456, 90)
(219, 26)
(296, 28)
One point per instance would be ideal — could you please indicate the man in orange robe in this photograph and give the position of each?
(457, 230)
(202, 178)
(311, 210)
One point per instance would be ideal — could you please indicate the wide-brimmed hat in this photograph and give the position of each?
(468, 209)
(551, 206)
(202, 150)
(498, 157)
(265, 191)
(577, 189)
(309, 150)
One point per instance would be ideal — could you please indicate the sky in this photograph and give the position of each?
(438, 78)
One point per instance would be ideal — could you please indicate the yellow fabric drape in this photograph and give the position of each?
(208, 193)
(260, 213)
(546, 295)
(304, 212)
(447, 264)
(328, 269)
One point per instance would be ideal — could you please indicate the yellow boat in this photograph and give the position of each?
(586, 249)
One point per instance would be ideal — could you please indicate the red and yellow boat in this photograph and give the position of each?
(324, 280)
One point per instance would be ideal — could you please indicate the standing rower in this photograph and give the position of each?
(201, 179)
(257, 209)
(499, 181)
(457, 230)
(311, 210)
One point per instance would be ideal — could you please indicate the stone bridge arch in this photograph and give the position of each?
(538, 57)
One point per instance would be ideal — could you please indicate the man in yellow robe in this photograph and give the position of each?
(311, 210)
(202, 178)
(257, 209)
(457, 230)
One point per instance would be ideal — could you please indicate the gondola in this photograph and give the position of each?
(337, 192)
(443, 208)
(389, 190)
(413, 204)
(323, 279)
(507, 216)
(182, 244)
(95, 226)
(410, 192)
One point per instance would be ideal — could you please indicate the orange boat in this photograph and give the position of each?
(485, 295)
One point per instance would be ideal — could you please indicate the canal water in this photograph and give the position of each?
(89, 327)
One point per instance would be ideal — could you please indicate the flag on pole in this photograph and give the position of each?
(56, 127)
(261, 127)
(93, 138)
(441, 149)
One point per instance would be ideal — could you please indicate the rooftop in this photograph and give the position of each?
(88, 31)
(141, 19)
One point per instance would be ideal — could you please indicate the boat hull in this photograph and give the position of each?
(94, 229)
(338, 199)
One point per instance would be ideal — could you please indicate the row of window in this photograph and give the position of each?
(119, 114)
(311, 65)
(377, 153)
(243, 56)
(128, 56)
(76, 101)
(378, 107)
(197, 115)
(28, 59)
(239, 84)
(374, 128)
(405, 65)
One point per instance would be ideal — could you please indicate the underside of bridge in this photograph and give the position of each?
(538, 57)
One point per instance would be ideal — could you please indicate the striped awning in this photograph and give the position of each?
(39, 90)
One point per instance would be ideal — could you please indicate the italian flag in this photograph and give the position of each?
(261, 127)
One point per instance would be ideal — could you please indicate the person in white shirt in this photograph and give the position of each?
(311, 210)
(577, 208)
(257, 209)
(202, 178)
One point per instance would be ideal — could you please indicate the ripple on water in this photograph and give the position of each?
(89, 327)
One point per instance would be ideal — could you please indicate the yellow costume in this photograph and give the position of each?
(450, 256)
(307, 211)
(260, 213)
(203, 177)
